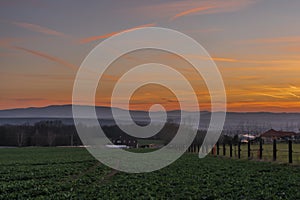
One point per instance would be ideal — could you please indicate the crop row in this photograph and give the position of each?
(71, 173)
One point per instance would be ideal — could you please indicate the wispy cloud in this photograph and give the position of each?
(31, 76)
(21, 100)
(249, 78)
(214, 58)
(39, 29)
(99, 37)
(273, 96)
(286, 44)
(289, 63)
(7, 41)
(292, 48)
(190, 7)
(173, 10)
(225, 59)
(274, 40)
(46, 56)
(262, 62)
(208, 30)
(281, 92)
(269, 106)
(107, 77)
(191, 11)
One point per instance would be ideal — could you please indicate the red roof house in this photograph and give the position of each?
(278, 135)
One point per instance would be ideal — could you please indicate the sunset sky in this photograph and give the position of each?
(255, 44)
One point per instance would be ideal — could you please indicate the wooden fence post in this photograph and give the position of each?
(274, 150)
(290, 151)
(260, 149)
(249, 149)
(239, 150)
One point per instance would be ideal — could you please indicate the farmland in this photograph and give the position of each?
(71, 173)
(282, 152)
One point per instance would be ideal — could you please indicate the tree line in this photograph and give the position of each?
(55, 133)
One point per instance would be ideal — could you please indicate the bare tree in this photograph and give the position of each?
(35, 137)
(50, 137)
(20, 138)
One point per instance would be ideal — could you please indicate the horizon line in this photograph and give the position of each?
(137, 110)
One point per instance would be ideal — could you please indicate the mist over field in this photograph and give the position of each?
(256, 122)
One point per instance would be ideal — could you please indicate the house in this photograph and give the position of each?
(245, 138)
(272, 134)
(129, 142)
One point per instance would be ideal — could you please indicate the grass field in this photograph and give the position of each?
(71, 173)
(282, 152)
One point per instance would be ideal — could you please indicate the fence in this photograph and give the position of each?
(287, 152)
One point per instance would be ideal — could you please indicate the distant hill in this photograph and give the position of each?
(53, 111)
(234, 120)
(65, 111)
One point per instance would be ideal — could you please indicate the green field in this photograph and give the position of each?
(71, 173)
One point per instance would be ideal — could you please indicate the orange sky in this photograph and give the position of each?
(255, 48)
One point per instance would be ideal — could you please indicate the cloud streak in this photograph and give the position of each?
(7, 41)
(208, 30)
(208, 7)
(191, 11)
(39, 29)
(99, 37)
(48, 57)
(232, 60)
(275, 40)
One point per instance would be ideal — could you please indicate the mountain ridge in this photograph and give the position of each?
(60, 111)
(233, 119)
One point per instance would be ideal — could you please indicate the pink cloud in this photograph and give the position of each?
(274, 40)
(99, 37)
(210, 7)
(39, 29)
(48, 57)
(8, 41)
(178, 9)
